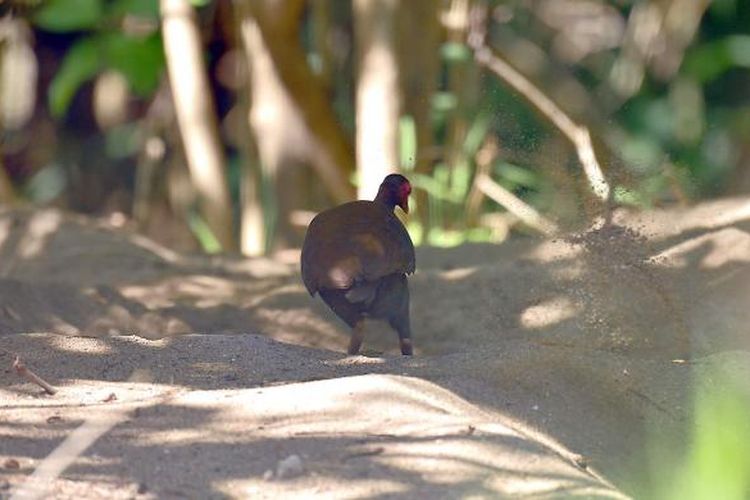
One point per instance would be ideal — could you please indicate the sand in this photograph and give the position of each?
(543, 368)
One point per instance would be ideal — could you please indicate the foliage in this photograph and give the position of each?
(138, 58)
(672, 134)
(69, 15)
(717, 462)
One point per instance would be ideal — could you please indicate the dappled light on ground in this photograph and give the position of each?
(366, 432)
(577, 350)
(41, 226)
(721, 247)
(549, 312)
(89, 346)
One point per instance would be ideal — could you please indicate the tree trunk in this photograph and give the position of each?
(196, 116)
(378, 97)
(290, 116)
(324, 143)
(419, 58)
(279, 133)
(253, 223)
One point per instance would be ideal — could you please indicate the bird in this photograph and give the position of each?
(357, 256)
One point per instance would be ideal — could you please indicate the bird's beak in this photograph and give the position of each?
(404, 205)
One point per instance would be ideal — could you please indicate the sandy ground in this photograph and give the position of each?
(544, 369)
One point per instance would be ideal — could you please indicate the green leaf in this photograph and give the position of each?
(46, 184)
(738, 48)
(460, 180)
(81, 63)
(710, 60)
(625, 196)
(444, 101)
(147, 9)
(140, 60)
(434, 188)
(455, 52)
(446, 238)
(718, 459)
(477, 132)
(706, 62)
(203, 233)
(416, 231)
(62, 16)
(724, 9)
(518, 176)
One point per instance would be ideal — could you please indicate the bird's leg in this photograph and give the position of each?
(399, 315)
(401, 325)
(406, 348)
(358, 334)
(405, 343)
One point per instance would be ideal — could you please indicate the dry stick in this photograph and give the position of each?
(484, 186)
(20, 367)
(39, 484)
(25, 372)
(576, 134)
(515, 205)
(484, 158)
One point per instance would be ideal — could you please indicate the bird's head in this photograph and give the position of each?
(395, 190)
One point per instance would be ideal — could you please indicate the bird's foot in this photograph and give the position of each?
(355, 342)
(406, 348)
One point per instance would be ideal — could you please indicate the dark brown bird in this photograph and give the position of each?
(357, 256)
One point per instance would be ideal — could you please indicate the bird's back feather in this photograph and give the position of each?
(356, 242)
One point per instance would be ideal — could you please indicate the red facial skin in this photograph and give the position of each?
(404, 192)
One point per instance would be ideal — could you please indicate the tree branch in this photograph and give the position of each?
(577, 134)
(484, 185)
(515, 205)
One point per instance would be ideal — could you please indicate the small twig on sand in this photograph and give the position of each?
(23, 371)
(577, 134)
(39, 484)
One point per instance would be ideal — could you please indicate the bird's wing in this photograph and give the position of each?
(360, 244)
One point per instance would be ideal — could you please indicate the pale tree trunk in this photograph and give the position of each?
(253, 229)
(196, 116)
(325, 145)
(290, 116)
(463, 83)
(252, 225)
(7, 192)
(378, 97)
(419, 58)
(279, 132)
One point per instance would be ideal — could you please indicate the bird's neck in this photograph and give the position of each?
(386, 198)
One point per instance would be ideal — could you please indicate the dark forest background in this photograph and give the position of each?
(225, 125)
